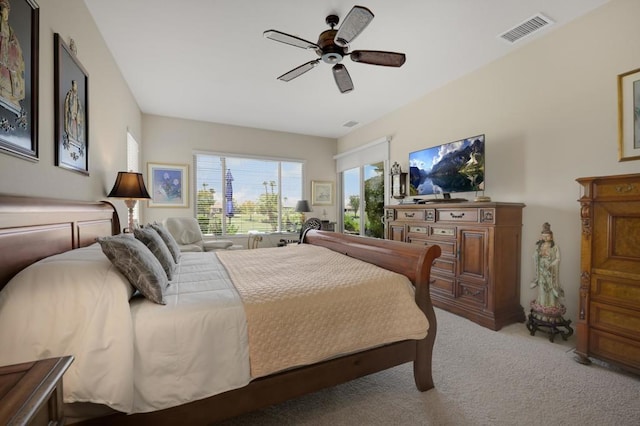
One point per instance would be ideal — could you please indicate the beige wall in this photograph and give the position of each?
(112, 109)
(549, 112)
(173, 140)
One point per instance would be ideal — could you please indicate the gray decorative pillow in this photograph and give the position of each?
(156, 245)
(136, 262)
(168, 239)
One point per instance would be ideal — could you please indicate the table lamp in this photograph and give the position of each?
(302, 207)
(130, 186)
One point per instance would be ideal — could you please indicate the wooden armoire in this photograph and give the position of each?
(608, 324)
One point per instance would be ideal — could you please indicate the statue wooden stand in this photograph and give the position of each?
(549, 320)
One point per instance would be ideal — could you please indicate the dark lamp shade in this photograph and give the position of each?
(302, 206)
(129, 185)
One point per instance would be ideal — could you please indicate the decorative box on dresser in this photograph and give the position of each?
(608, 325)
(478, 273)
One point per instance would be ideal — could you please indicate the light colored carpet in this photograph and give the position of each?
(482, 377)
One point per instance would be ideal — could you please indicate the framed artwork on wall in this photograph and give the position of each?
(629, 115)
(321, 193)
(168, 185)
(71, 114)
(19, 48)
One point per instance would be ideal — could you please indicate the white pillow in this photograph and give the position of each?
(74, 303)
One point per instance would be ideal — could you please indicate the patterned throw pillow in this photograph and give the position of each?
(154, 242)
(168, 240)
(136, 262)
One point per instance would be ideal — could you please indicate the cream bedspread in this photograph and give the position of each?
(193, 347)
(305, 304)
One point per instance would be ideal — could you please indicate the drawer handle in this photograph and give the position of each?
(409, 214)
(625, 188)
(468, 292)
(460, 216)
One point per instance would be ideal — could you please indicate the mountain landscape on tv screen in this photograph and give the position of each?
(458, 167)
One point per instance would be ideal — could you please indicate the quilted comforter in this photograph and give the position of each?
(307, 303)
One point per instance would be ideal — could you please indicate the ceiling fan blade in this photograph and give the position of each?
(377, 57)
(342, 77)
(356, 20)
(297, 72)
(289, 39)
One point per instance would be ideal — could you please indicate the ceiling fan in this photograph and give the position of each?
(333, 46)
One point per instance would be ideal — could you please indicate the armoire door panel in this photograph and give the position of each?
(619, 248)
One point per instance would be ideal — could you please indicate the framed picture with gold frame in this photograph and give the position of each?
(168, 184)
(321, 193)
(629, 115)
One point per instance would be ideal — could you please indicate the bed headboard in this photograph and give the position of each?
(34, 228)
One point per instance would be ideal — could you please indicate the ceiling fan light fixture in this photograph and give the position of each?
(331, 58)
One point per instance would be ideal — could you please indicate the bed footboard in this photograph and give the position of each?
(414, 262)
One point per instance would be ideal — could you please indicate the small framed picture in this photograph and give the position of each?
(168, 184)
(629, 115)
(71, 88)
(321, 193)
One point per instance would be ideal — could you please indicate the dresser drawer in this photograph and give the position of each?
(442, 231)
(444, 265)
(418, 229)
(474, 295)
(442, 284)
(615, 290)
(447, 248)
(619, 349)
(616, 189)
(410, 215)
(457, 215)
(615, 319)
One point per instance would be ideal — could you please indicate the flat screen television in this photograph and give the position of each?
(456, 166)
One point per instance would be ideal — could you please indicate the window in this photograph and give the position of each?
(235, 195)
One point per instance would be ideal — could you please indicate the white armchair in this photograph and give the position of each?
(188, 235)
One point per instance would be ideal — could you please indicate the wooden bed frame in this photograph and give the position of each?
(34, 228)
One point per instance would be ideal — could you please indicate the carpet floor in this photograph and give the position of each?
(482, 377)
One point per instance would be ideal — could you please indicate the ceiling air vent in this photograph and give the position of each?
(350, 123)
(528, 27)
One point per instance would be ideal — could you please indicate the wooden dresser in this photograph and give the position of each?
(478, 274)
(31, 392)
(608, 325)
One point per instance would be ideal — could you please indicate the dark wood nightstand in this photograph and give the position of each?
(31, 392)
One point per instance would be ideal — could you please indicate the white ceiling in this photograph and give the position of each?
(208, 60)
